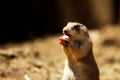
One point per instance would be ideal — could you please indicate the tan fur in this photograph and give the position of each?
(80, 64)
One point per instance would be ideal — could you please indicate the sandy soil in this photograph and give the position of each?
(43, 58)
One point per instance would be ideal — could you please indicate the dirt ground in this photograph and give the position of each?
(43, 58)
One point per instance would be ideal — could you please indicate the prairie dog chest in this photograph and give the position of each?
(71, 72)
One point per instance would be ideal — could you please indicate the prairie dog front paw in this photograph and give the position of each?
(65, 40)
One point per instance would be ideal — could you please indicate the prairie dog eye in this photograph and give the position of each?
(76, 28)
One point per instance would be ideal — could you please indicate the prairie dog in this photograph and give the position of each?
(77, 45)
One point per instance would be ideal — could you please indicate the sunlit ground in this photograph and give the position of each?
(43, 58)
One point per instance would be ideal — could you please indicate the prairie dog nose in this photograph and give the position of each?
(65, 32)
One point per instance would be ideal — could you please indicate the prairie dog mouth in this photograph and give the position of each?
(69, 35)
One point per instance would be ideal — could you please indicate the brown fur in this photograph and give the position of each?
(80, 64)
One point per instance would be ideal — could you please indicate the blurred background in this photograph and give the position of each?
(30, 31)
(27, 19)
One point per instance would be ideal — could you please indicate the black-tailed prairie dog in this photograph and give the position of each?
(77, 45)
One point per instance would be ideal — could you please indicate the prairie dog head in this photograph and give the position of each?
(76, 31)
